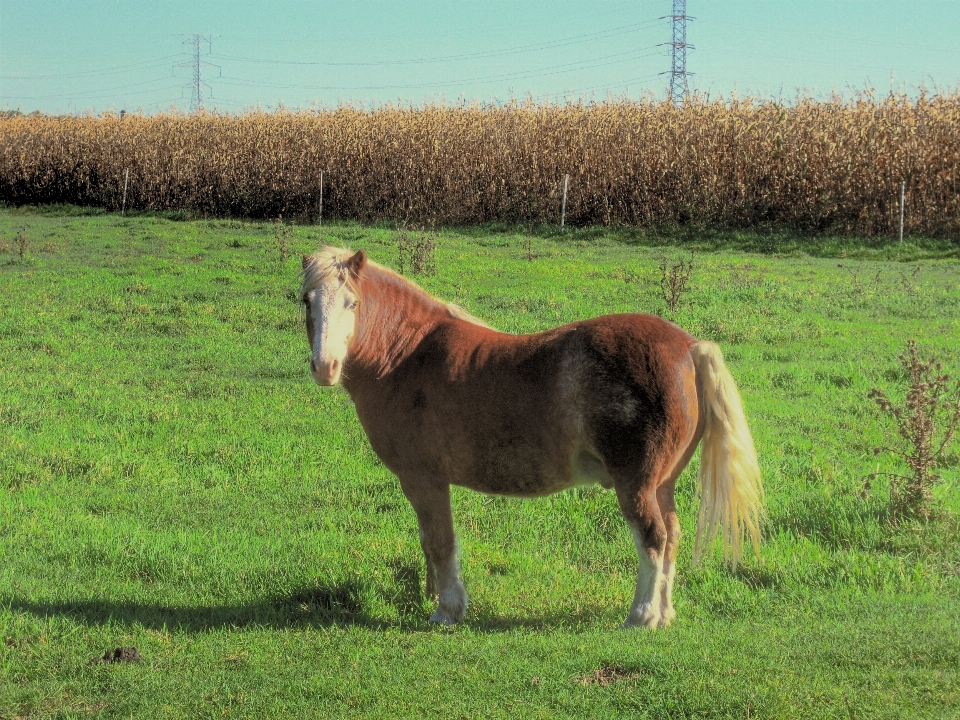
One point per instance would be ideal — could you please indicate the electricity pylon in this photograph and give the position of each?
(196, 64)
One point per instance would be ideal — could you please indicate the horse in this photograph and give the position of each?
(619, 400)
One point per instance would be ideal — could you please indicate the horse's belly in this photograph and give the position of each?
(588, 469)
(531, 474)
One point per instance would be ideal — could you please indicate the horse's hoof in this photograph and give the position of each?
(630, 625)
(442, 617)
(642, 617)
(666, 617)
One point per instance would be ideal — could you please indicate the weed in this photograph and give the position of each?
(909, 284)
(930, 402)
(855, 278)
(281, 238)
(22, 242)
(403, 244)
(420, 250)
(528, 244)
(673, 281)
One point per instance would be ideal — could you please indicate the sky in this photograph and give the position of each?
(76, 56)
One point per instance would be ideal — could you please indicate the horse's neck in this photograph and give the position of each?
(393, 319)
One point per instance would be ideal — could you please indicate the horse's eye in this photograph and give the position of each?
(352, 305)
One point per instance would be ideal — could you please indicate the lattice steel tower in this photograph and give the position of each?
(678, 66)
(196, 64)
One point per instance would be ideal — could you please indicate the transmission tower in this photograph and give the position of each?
(196, 65)
(678, 65)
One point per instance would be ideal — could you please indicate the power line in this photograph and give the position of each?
(90, 94)
(144, 65)
(828, 38)
(590, 64)
(604, 86)
(547, 45)
(466, 28)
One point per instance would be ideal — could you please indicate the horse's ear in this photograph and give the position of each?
(306, 261)
(357, 263)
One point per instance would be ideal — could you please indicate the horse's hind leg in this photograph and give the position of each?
(668, 511)
(431, 502)
(642, 513)
(647, 503)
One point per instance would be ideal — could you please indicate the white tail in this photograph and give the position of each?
(731, 494)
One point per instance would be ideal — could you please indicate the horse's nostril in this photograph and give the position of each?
(313, 365)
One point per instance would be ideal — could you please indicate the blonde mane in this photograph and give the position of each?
(327, 263)
(331, 262)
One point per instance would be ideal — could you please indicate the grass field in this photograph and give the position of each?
(172, 479)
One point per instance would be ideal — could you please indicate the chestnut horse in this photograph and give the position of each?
(620, 400)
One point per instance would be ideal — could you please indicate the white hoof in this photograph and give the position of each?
(646, 616)
(442, 617)
(453, 606)
(666, 616)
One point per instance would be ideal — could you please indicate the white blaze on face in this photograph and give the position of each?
(332, 322)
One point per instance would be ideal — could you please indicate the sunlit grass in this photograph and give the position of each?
(172, 479)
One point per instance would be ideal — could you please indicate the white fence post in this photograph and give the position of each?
(126, 181)
(903, 187)
(563, 206)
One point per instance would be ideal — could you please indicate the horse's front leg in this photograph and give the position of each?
(431, 502)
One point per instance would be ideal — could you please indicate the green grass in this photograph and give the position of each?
(172, 479)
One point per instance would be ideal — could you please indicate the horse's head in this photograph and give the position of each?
(330, 293)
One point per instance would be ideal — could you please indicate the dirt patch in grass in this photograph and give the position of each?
(121, 654)
(607, 675)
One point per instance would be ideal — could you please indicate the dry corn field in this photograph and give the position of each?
(832, 165)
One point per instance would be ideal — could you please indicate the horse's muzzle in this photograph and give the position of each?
(326, 373)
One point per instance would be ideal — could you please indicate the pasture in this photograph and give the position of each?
(172, 479)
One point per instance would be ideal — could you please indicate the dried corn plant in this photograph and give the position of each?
(814, 165)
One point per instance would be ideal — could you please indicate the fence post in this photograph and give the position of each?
(903, 187)
(126, 181)
(563, 206)
(320, 220)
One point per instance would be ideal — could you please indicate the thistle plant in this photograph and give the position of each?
(925, 425)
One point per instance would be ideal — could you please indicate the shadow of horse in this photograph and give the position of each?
(320, 606)
(313, 606)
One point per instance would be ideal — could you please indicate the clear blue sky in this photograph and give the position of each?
(79, 55)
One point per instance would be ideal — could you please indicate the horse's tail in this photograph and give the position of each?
(731, 494)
